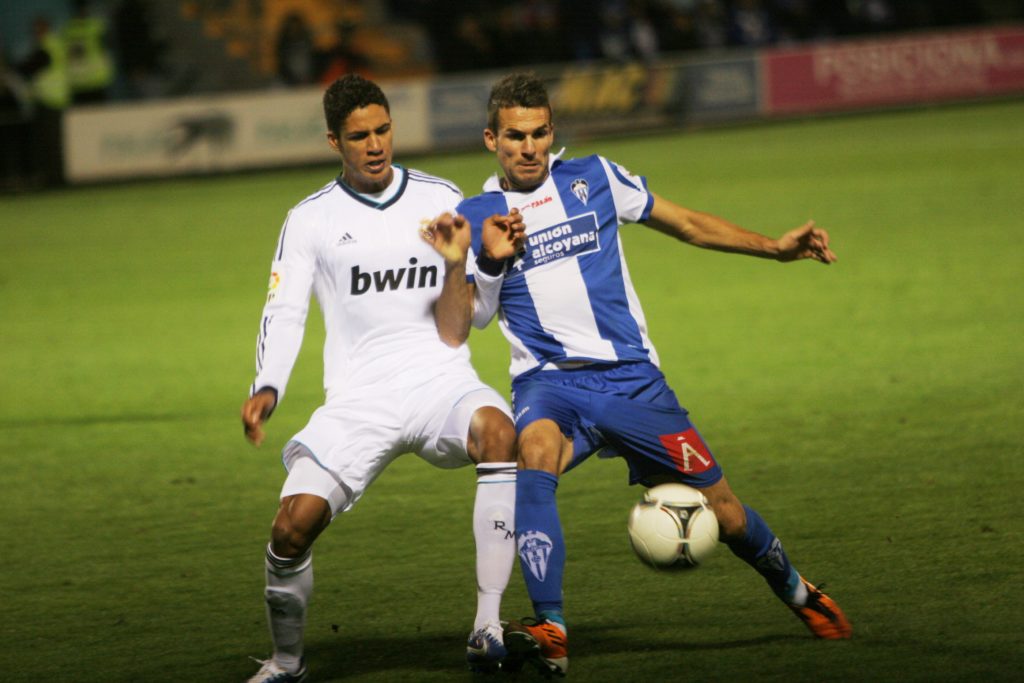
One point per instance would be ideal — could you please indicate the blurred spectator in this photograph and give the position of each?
(750, 24)
(296, 55)
(45, 70)
(90, 65)
(614, 35)
(16, 108)
(341, 58)
(711, 24)
(626, 31)
(643, 38)
(873, 16)
(140, 53)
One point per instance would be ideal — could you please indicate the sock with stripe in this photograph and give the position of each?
(762, 550)
(289, 586)
(494, 533)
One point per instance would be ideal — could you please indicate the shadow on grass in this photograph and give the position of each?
(95, 420)
(435, 656)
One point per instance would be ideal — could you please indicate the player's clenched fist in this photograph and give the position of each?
(449, 235)
(255, 412)
(806, 242)
(503, 236)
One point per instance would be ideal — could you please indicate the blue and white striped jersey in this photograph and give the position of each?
(568, 298)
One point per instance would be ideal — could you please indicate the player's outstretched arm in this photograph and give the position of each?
(255, 411)
(453, 311)
(711, 232)
(807, 241)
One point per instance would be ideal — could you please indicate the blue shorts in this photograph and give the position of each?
(625, 410)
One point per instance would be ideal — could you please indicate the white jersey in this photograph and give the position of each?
(375, 278)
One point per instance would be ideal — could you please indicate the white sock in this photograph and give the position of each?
(494, 532)
(289, 585)
(800, 595)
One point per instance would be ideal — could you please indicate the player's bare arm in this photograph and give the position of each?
(255, 412)
(711, 232)
(502, 238)
(453, 310)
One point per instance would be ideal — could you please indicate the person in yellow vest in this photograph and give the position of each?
(45, 69)
(90, 65)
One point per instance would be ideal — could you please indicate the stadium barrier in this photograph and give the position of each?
(285, 128)
(876, 73)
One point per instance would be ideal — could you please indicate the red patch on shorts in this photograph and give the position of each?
(688, 451)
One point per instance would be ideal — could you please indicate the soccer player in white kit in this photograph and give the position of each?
(392, 384)
(584, 372)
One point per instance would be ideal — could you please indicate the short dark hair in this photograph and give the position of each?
(348, 93)
(516, 90)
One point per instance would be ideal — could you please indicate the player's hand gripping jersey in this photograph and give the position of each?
(568, 297)
(376, 281)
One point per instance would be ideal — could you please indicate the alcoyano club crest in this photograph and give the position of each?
(535, 550)
(581, 189)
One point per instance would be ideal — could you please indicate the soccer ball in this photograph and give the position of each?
(673, 527)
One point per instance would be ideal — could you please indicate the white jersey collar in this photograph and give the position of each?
(386, 197)
(388, 192)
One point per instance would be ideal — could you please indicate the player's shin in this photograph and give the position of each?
(494, 533)
(289, 586)
(762, 550)
(539, 541)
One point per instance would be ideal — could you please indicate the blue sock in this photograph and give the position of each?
(539, 541)
(763, 551)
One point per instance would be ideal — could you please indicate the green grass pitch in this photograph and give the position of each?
(873, 411)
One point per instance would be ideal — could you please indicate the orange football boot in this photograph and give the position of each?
(822, 615)
(541, 643)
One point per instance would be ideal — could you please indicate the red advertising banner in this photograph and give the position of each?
(924, 68)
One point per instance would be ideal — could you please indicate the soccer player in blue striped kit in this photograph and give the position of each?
(584, 373)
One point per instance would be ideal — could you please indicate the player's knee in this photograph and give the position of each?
(732, 520)
(499, 443)
(540, 449)
(496, 441)
(288, 541)
(295, 528)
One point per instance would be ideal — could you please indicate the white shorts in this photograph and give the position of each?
(348, 443)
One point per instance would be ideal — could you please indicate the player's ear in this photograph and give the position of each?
(333, 141)
(490, 141)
